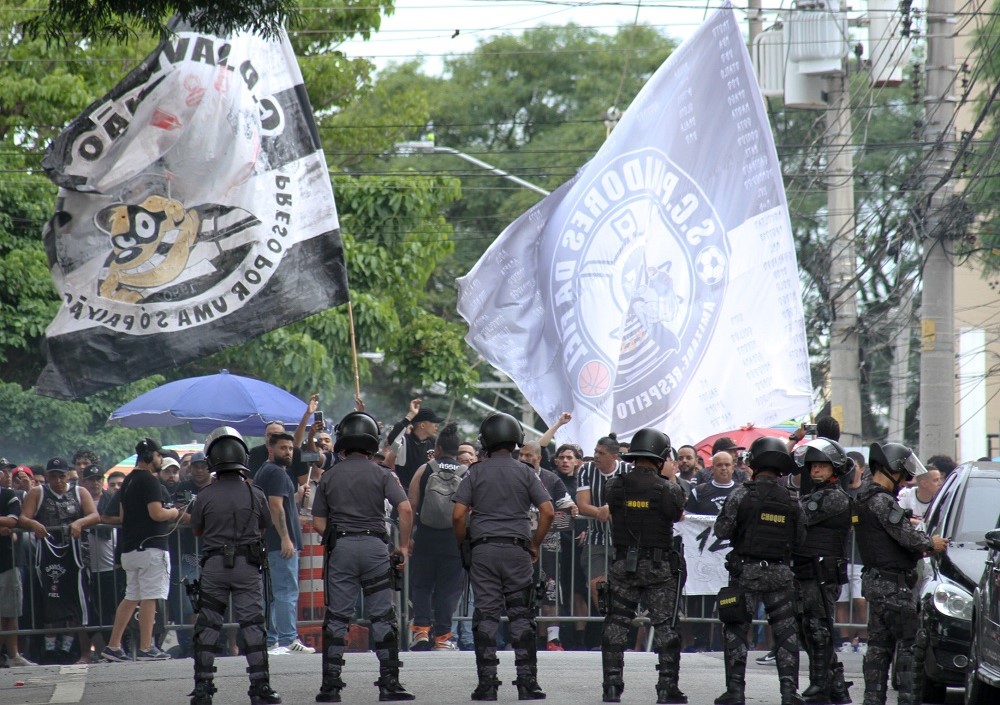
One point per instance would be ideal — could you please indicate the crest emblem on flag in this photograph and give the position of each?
(195, 212)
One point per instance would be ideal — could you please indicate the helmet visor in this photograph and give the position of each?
(822, 445)
(913, 466)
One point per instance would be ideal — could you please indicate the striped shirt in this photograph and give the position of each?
(590, 478)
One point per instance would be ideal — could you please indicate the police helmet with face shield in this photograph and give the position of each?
(769, 453)
(498, 430)
(895, 458)
(648, 443)
(823, 450)
(357, 432)
(226, 451)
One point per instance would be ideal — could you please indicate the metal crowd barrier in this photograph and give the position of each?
(106, 587)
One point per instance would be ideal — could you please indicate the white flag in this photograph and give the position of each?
(659, 287)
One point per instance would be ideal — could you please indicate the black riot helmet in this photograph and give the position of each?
(499, 430)
(358, 432)
(648, 443)
(894, 458)
(769, 453)
(226, 451)
(823, 450)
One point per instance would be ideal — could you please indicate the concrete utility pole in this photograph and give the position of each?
(937, 315)
(845, 377)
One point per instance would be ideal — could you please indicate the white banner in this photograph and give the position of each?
(663, 276)
(705, 555)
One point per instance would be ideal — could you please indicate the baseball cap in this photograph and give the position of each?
(56, 465)
(426, 414)
(4, 464)
(23, 468)
(92, 471)
(199, 457)
(725, 443)
(169, 462)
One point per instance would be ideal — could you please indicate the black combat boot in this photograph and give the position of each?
(329, 690)
(735, 685)
(202, 693)
(840, 693)
(613, 662)
(261, 693)
(389, 687)
(666, 685)
(788, 688)
(528, 688)
(487, 688)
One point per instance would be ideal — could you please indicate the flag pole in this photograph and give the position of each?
(354, 351)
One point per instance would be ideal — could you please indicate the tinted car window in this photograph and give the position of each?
(980, 511)
(936, 515)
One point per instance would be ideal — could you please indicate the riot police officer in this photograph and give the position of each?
(498, 550)
(890, 548)
(820, 565)
(643, 507)
(349, 510)
(764, 526)
(230, 515)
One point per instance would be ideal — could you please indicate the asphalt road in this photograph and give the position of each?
(570, 678)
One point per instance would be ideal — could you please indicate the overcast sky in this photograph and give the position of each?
(427, 27)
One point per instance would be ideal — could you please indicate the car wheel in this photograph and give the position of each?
(977, 692)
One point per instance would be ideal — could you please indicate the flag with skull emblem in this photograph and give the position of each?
(195, 212)
(659, 287)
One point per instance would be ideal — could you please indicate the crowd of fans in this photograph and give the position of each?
(60, 575)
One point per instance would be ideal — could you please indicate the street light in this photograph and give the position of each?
(428, 147)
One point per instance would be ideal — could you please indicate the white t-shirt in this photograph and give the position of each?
(908, 500)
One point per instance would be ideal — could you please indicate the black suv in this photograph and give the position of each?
(982, 685)
(967, 507)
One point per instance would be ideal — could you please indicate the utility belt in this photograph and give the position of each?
(507, 540)
(253, 552)
(381, 535)
(647, 553)
(822, 569)
(735, 562)
(903, 578)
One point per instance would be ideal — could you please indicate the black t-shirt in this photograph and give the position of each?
(138, 529)
(10, 506)
(258, 456)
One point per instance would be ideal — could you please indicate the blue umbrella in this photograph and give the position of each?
(209, 402)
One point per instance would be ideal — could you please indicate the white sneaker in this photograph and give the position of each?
(19, 660)
(278, 651)
(297, 647)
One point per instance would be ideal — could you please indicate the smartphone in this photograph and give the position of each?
(318, 416)
(810, 429)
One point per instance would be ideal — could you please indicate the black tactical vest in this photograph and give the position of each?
(826, 537)
(635, 502)
(878, 549)
(766, 523)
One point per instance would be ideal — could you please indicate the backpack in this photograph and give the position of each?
(436, 507)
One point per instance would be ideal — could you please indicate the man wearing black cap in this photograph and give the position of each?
(728, 445)
(146, 523)
(417, 445)
(60, 513)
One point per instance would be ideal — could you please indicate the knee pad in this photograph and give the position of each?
(208, 620)
(255, 620)
(521, 603)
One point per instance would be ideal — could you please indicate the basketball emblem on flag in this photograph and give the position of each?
(594, 379)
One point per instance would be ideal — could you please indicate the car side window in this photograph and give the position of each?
(937, 514)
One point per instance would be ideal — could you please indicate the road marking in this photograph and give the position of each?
(72, 681)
